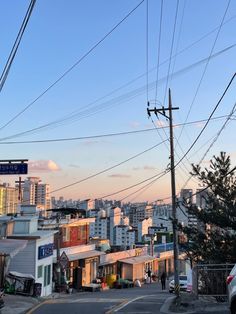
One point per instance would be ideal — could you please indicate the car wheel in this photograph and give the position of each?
(233, 308)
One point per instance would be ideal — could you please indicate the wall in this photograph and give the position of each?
(74, 235)
(24, 261)
(138, 271)
(46, 288)
(127, 271)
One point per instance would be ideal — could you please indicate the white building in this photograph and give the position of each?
(124, 236)
(36, 258)
(114, 220)
(36, 193)
(130, 238)
(143, 227)
(99, 228)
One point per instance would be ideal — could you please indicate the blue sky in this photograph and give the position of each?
(58, 34)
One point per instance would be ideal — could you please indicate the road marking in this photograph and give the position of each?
(124, 304)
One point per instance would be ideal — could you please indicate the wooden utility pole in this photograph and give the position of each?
(162, 111)
(173, 194)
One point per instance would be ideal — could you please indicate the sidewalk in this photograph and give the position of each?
(190, 305)
(18, 304)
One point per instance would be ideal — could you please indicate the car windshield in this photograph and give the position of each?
(182, 277)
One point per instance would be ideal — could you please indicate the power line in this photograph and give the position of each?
(159, 49)
(73, 66)
(16, 44)
(106, 135)
(205, 68)
(107, 169)
(132, 81)
(178, 39)
(208, 120)
(101, 107)
(147, 60)
(213, 142)
(159, 175)
(171, 50)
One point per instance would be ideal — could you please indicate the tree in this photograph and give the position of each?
(213, 239)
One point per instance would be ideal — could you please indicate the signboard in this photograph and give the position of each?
(13, 168)
(45, 250)
(64, 260)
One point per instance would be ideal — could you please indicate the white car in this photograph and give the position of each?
(183, 279)
(231, 286)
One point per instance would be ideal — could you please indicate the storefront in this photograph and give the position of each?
(136, 267)
(82, 268)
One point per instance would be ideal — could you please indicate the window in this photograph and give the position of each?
(82, 232)
(47, 275)
(40, 271)
(66, 234)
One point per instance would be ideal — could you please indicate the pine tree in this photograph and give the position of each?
(213, 239)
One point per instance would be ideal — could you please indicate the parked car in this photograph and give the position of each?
(231, 287)
(182, 283)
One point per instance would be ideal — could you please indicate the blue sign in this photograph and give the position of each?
(13, 168)
(45, 250)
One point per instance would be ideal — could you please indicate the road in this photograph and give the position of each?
(134, 300)
(146, 300)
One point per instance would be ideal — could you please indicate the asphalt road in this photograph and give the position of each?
(142, 304)
(148, 299)
(74, 308)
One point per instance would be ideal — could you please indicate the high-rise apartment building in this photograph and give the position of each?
(8, 199)
(36, 193)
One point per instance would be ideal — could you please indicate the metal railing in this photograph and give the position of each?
(210, 279)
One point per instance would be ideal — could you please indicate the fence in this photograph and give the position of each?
(210, 279)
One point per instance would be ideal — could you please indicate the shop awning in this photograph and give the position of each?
(138, 259)
(107, 263)
(11, 247)
(83, 255)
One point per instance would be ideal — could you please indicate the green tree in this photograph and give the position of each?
(213, 239)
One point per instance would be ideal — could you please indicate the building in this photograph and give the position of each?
(36, 258)
(138, 212)
(201, 198)
(162, 216)
(8, 199)
(87, 204)
(186, 195)
(143, 226)
(73, 243)
(115, 216)
(99, 228)
(36, 193)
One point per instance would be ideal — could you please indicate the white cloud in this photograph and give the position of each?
(43, 166)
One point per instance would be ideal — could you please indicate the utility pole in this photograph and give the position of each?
(162, 111)
(58, 244)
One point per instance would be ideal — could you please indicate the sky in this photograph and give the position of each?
(108, 90)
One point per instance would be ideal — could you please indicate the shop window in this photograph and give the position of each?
(47, 275)
(40, 271)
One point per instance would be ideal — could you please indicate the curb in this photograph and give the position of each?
(207, 309)
(35, 307)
